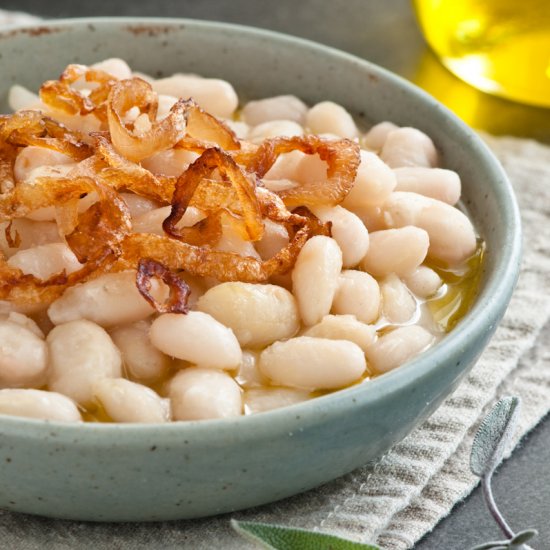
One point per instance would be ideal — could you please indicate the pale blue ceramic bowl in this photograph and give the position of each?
(191, 469)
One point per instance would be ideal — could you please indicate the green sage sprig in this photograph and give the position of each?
(490, 444)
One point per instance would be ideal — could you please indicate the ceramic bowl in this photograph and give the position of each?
(191, 469)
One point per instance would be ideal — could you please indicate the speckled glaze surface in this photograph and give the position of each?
(193, 469)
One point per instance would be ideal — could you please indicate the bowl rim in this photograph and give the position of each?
(483, 316)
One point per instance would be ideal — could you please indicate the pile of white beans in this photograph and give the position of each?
(354, 306)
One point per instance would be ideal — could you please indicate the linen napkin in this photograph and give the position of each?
(403, 495)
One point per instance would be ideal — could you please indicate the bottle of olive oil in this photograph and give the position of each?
(498, 46)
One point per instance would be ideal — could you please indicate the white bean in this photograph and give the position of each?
(21, 98)
(232, 241)
(343, 327)
(257, 400)
(171, 162)
(216, 96)
(32, 157)
(111, 299)
(372, 216)
(201, 394)
(313, 363)
(398, 251)
(315, 277)
(24, 321)
(347, 230)
(452, 235)
(282, 107)
(23, 356)
(45, 260)
(138, 205)
(437, 183)
(423, 281)
(258, 314)
(329, 117)
(274, 128)
(373, 184)
(114, 66)
(240, 128)
(400, 345)
(30, 232)
(45, 405)
(151, 222)
(166, 102)
(357, 294)
(81, 353)
(298, 167)
(198, 338)
(374, 139)
(143, 361)
(398, 304)
(275, 238)
(408, 147)
(126, 401)
(248, 375)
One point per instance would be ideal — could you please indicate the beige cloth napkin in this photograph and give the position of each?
(402, 496)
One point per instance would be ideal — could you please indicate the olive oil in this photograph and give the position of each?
(498, 46)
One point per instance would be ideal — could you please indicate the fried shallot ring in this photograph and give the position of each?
(342, 158)
(179, 289)
(162, 134)
(8, 153)
(200, 170)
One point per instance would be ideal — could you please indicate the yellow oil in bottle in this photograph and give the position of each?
(498, 46)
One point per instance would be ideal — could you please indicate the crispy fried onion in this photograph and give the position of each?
(60, 95)
(33, 128)
(342, 158)
(8, 153)
(179, 289)
(198, 173)
(96, 239)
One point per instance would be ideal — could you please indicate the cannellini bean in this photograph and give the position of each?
(30, 232)
(111, 299)
(45, 260)
(166, 102)
(45, 405)
(398, 251)
(347, 230)
(374, 139)
(282, 107)
(329, 117)
(313, 363)
(171, 162)
(258, 400)
(423, 281)
(114, 66)
(408, 147)
(142, 361)
(275, 238)
(151, 222)
(198, 338)
(249, 375)
(373, 184)
(232, 241)
(21, 98)
(240, 128)
(258, 314)
(32, 157)
(274, 128)
(452, 235)
(23, 356)
(298, 167)
(24, 321)
(398, 304)
(394, 348)
(357, 294)
(437, 183)
(200, 394)
(372, 216)
(126, 401)
(81, 353)
(343, 327)
(315, 277)
(216, 96)
(138, 205)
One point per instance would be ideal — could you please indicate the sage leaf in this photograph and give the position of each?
(493, 436)
(523, 536)
(276, 537)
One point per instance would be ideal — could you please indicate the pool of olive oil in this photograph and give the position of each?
(498, 46)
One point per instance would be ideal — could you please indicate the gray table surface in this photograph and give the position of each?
(385, 32)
